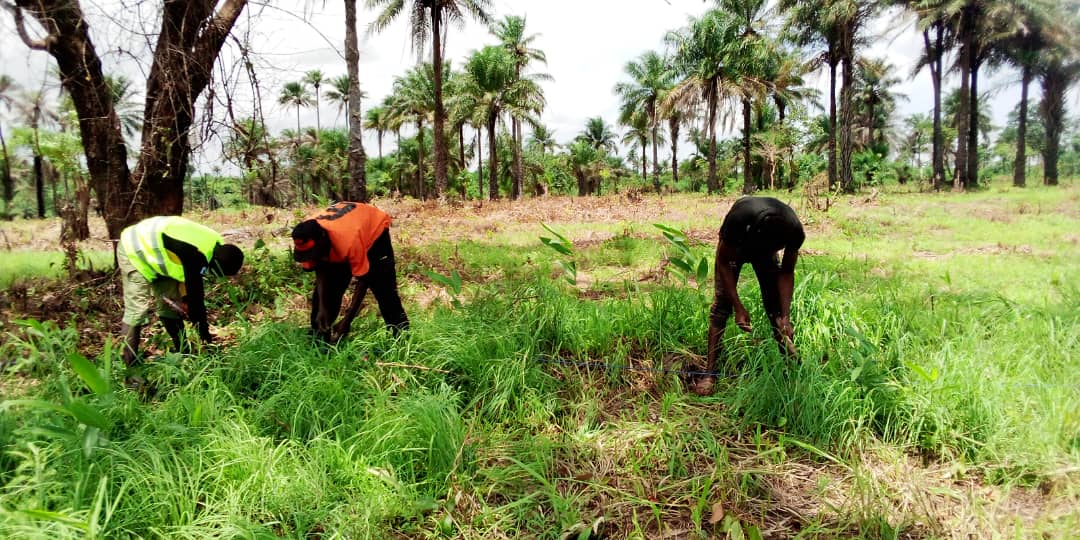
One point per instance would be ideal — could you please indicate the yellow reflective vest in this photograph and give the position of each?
(145, 248)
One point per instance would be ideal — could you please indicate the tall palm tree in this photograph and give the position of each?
(36, 109)
(703, 53)
(413, 100)
(650, 79)
(428, 17)
(637, 132)
(598, 134)
(295, 94)
(1020, 48)
(809, 28)
(7, 99)
(316, 78)
(339, 94)
(542, 139)
(377, 119)
(875, 80)
(1059, 69)
(511, 34)
(491, 81)
(127, 108)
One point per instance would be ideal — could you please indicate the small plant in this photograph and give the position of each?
(451, 282)
(565, 247)
(686, 264)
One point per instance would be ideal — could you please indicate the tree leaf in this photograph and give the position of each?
(717, 513)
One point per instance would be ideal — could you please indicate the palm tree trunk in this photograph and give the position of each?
(440, 111)
(493, 182)
(847, 80)
(318, 113)
(39, 185)
(1052, 109)
(748, 176)
(1020, 165)
(832, 118)
(379, 136)
(461, 154)
(6, 181)
(479, 163)
(644, 160)
(938, 139)
(973, 129)
(655, 157)
(963, 113)
(711, 182)
(515, 149)
(357, 158)
(673, 127)
(420, 159)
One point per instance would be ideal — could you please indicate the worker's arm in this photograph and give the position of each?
(195, 265)
(786, 286)
(726, 259)
(355, 303)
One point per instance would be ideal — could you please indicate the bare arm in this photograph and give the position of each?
(357, 301)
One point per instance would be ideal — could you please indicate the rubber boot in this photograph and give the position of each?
(131, 337)
(175, 329)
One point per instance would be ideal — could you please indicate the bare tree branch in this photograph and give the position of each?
(20, 26)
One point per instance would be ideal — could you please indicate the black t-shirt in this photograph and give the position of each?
(195, 266)
(761, 226)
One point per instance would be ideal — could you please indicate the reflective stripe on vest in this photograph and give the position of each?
(145, 248)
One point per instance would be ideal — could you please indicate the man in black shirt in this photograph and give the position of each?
(754, 231)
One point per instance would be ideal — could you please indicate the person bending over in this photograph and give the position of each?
(348, 240)
(754, 231)
(166, 257)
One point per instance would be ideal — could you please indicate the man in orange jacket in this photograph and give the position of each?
(348, 240)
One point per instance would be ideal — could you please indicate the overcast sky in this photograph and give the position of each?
(587, 43)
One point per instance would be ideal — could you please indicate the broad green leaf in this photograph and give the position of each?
(87, 414)
(89, 373)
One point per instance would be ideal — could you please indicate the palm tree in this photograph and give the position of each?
(36, 111)
(294, 93)
(1020, 48)
(511, 34)
(875, 79)
(122, 96)
(430, 16)
(637, 131)
(315, 78)
(377, 119)
(703, 50)
(339, 93)
(650, 79)
(1059, 69)
(413, 100)
(492, 83)
(7, 87)
(598, 134)
(809, 28)
(542, 139)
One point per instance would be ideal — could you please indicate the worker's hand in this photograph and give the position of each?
(787, 336)
(742, 320)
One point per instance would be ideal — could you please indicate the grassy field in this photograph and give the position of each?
(937, 392)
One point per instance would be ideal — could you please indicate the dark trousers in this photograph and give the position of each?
(767, 269)
(332, 281)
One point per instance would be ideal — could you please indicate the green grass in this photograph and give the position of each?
(476, 424)
(20, 265)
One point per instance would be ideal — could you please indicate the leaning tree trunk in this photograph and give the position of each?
(357, 158)
(440, 110)
(1020, 165)
(188, 43)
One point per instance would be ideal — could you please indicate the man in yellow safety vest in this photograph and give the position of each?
(166, 257)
